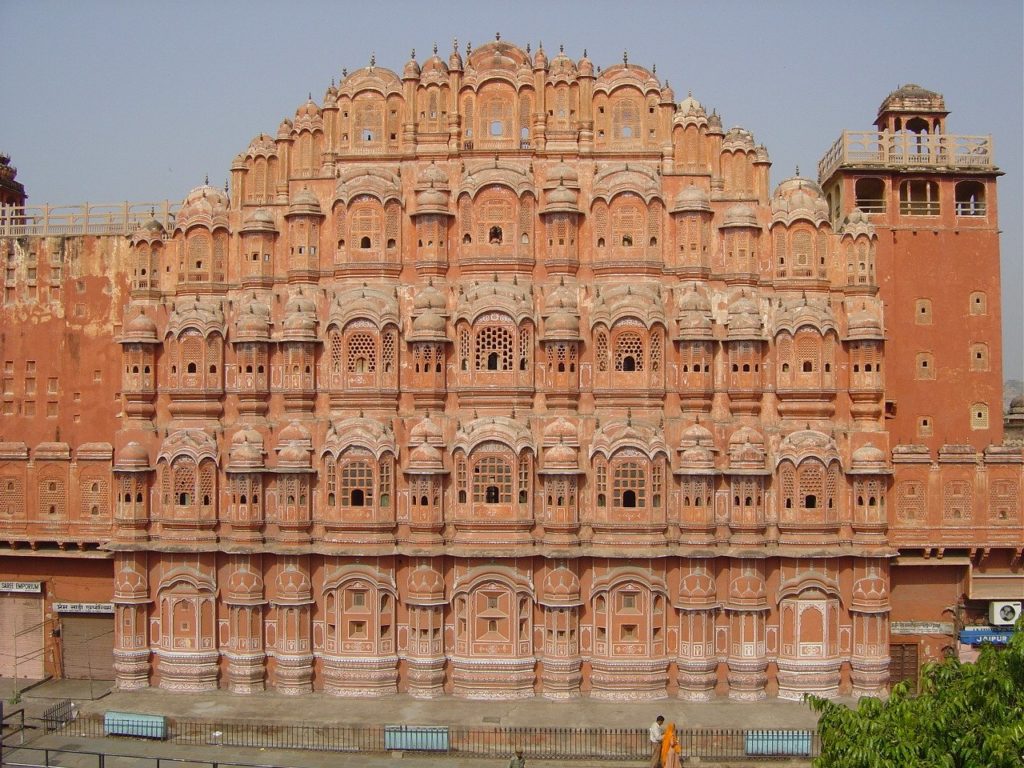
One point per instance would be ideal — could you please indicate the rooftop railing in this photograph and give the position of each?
(84, 219)
(922, 150)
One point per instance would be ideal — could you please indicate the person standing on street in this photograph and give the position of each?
(656, 733)
(517, 761)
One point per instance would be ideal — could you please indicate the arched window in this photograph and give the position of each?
(970, 198)
(870, 195)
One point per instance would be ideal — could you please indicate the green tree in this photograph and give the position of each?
(967, 715)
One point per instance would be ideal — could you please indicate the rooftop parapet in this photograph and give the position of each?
(882, 149)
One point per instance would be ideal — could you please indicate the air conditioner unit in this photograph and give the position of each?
(1004, 614)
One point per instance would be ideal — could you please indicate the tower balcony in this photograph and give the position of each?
(881, 149)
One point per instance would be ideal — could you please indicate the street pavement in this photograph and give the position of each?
(271, 708)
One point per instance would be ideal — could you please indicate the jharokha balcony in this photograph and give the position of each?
(905, 149)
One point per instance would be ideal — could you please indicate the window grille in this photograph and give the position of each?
(629, 484)
(489, 473)
(357, 483)
(629, 352)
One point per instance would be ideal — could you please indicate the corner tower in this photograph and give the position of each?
(931, 196)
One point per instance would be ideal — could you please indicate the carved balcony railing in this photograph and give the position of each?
(919, 150)
(84, 219)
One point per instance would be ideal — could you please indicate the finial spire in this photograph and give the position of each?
(206, 180)
(373, 59)
(584, 53)
(412, 54)
(654, 69)
(497, 36)
(435, 48)
(625, 58)
(561, 48)
(527, 48)
(798, 170)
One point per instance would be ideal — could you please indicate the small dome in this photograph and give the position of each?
(432, 200)
(152, 225)
(690, 106)
(562, 64)
(746, 436)
(560, 456)
(141, 328)
(540, 59)
(740, 216)
(435, 66)
(412, 69)
(691, 198)
(870, 592)
(869, 459)
(668, 96)
(748, 589)
(132, 456)
(738, 138)
(244, 584)
(294, 432)
(561, 199)
(425, 458)
(309, 109)
(562, 173)
(304, 204)
(697, 457)
(252, 324)
(426, 585)
(429, 297)
(797, 197)
(293, 585)
(864, 324)
(585, 67)
(560, 587)
(246, 450)
(697, 434)
(694, 301)
(260, 220)
(300, 315)
(427, 431)
(697, 588)
(714, 123)
(432, 175)
(206, 195)
(744, 318)
(1017, 404)
(561, 430)
(430, 322)
(562, 323)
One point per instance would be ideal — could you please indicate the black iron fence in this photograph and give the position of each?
(58, 715)
(539, 743)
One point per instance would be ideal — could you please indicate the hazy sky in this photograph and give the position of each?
(139, 100)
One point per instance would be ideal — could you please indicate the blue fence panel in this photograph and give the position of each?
(428, 738)
(777, 742)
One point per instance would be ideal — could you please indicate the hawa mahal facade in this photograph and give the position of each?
(509, 376)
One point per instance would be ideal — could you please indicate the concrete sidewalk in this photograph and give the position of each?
(317, 708)
(97, 697)
(271, 708)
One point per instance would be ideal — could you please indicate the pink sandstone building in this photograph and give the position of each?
(509, 376)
